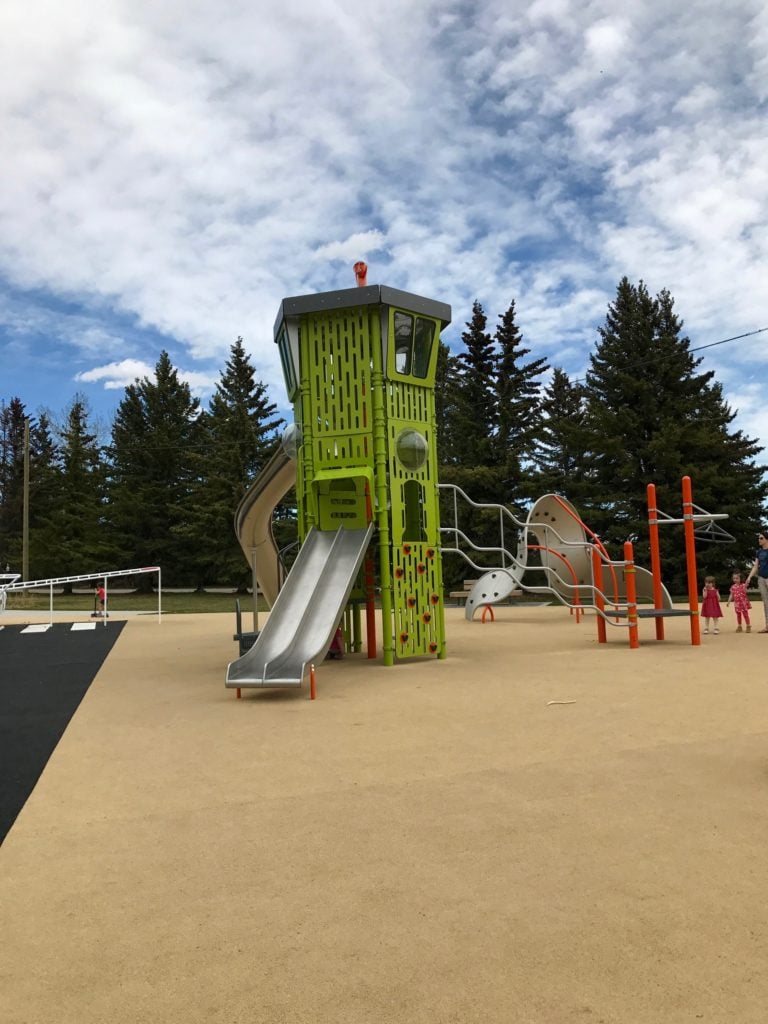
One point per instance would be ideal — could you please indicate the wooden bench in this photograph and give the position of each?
(460, 596)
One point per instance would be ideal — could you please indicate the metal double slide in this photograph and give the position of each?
(307, 611)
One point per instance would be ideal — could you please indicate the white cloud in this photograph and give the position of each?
(121, 374)
(185, 166)
(357, 246)
(117, 375)
(606, 42)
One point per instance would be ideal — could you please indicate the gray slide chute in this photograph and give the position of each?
(253, 521)
(567, 559)
(307, 611)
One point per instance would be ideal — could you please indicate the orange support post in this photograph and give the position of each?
(690, 561)
(487, 608)
(312, 683)
(597, 581)
(653, 533)
(629, 576)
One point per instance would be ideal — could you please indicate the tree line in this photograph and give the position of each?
(163, 489)
(645, 412)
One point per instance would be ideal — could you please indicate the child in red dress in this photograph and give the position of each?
(710, 608)
(738, 597)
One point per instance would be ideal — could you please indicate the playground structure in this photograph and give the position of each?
(16, 584)
(359, 367)
(575, 564)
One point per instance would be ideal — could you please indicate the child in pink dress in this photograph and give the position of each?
(710, 608)
(738, 597)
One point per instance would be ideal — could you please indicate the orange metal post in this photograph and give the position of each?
(597, 581)
(486, 609)
(312, 683)
(629, 575)
(690, 561)
(653, 532)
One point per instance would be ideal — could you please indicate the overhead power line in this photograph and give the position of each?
(736, 337)
(699, 348)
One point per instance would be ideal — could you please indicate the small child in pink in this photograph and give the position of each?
(740, 600)
(710, 608)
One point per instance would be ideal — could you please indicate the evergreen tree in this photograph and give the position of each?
(12, 417)
(72, 537)
(518, 406)
(43, 489)
(244, 421)
(154, 465)
(562, 455)
(476, 401)
(653, 417)
(45, 498)
(240, 432)
(446, 404)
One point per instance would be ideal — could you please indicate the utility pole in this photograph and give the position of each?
(25, 510)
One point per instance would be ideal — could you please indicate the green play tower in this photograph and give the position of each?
(359, 367)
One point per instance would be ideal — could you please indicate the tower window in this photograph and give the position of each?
(413, 340)
(286, 358)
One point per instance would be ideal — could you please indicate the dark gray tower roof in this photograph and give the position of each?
(371, 295)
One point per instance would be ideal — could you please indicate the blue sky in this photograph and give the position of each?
(171, 171)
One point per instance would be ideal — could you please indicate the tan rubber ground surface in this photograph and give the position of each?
(429, 843)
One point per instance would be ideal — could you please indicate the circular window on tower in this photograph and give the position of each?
(291, 441)
(411, 448)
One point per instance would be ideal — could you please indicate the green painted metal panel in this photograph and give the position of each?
(366, 410)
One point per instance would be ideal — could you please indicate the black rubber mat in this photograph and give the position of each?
(43, 678)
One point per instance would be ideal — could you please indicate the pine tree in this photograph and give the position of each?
(446, 404)
(46, 542)
(518, 406)
(73, 532)
(240, 432)
(12, 417)
(562, 455)
(154, 462)
(475, 392)
(655, 417)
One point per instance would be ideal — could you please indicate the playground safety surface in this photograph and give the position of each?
(43, 678)
(435, 842)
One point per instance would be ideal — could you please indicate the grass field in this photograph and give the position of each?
(172, 603)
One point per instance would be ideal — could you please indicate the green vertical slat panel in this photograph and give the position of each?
(340, 372)
(417, 569)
